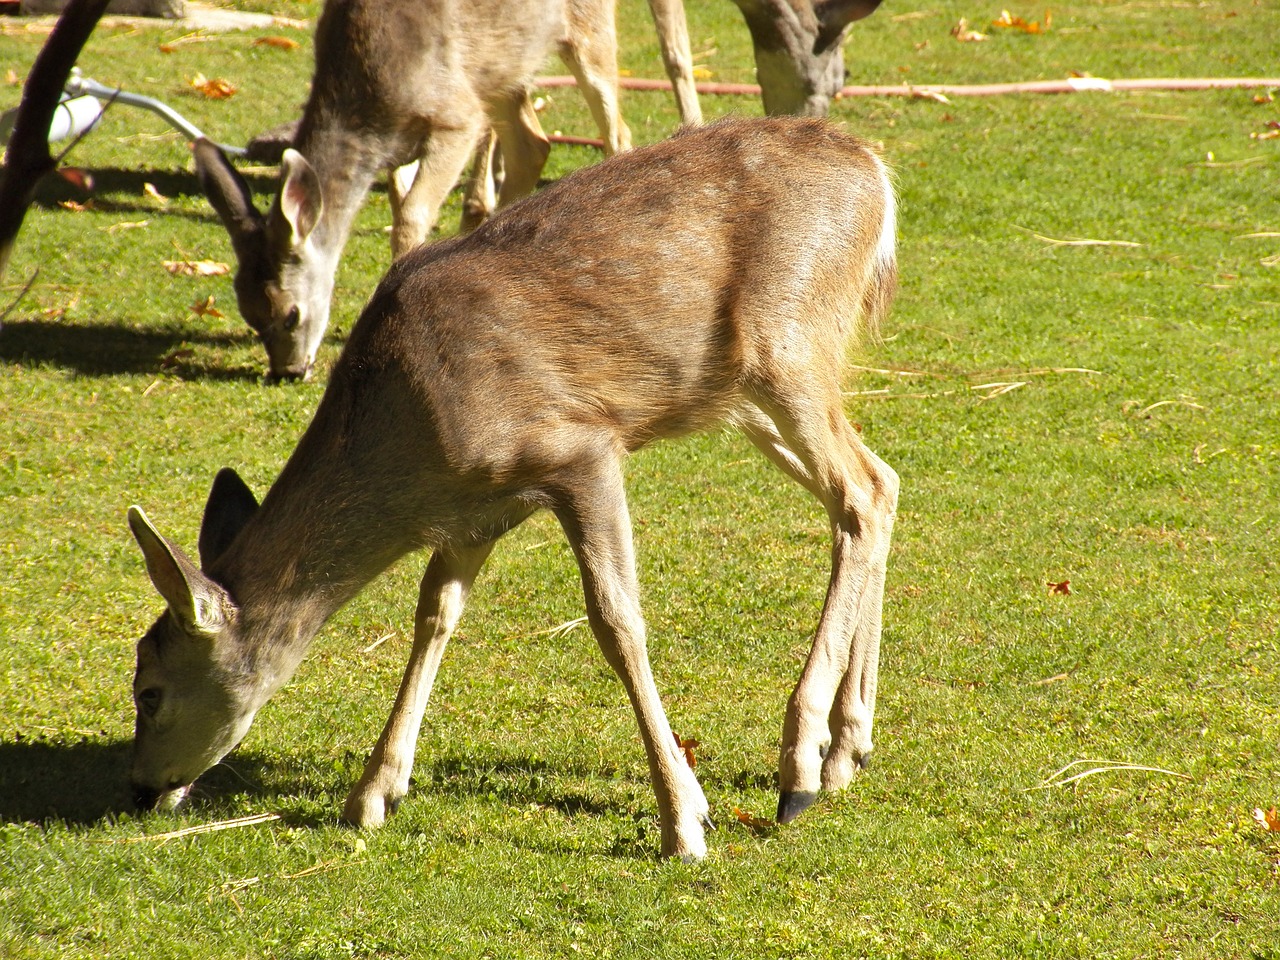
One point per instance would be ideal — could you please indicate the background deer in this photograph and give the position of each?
(400, 82)
(512, 370)
(799, 49)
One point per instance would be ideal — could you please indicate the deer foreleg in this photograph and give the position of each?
(677, 56)
(594, 516)
(385, 780)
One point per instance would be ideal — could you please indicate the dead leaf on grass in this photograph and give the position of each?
(279, 43)
(169, 361)
(1007, 21)
(962, 32)
(196, 268)
(75, 206)
(1062, 587)
(753, 823)
(205, 308)
(215, 89)
(150, 190)
(1268, 820)
(687, 747)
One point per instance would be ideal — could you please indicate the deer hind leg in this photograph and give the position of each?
(385, 780)
(592, 508)
(416, 200)
(522, 145)
(826, 735)
(480, 198)
(591, 54)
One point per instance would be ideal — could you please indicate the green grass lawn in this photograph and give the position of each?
(1100, 414)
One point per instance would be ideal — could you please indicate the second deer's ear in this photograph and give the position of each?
(228, 193)
(301, 199)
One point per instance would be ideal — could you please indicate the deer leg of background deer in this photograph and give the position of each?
(677, 56)
(827, 730)
(414, 211)
(523, 146)
(593, 60)
(385, 780)
(480, 197)
(593, 512)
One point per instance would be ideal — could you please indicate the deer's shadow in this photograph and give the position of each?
(102, 350)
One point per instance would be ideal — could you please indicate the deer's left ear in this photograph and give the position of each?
(231, 503)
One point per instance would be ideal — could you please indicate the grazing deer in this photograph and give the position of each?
(798, 47)
(714, 277)
(413, 86)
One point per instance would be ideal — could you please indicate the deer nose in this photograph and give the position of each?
(290, 374)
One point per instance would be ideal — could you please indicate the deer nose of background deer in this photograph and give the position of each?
(290, 374)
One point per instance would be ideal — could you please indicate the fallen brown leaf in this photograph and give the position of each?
(688, 747)
(196, 268)
(1007, 21)
(280, 43)
(205, 308)
(1062, 587)
(171, 360)
(751, 822)
(962, 32)
(1269, 820)
(215, 89)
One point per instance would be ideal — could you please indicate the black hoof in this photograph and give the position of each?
(791, 805)
(864, 761)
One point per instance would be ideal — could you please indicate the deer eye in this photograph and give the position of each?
(148, 701)
(292, 319)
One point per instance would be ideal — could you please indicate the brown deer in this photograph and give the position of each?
(397, 84)
(714, 277)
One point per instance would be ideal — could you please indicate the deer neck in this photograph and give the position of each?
(346, 162)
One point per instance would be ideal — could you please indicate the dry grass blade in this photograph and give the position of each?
(234, 824)
(1058, 778)
(1164, 403)
(377, 643)
(1083, 242)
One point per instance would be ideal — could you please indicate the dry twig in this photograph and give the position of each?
(1057, 778)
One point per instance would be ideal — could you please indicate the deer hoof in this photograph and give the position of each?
(793, 803)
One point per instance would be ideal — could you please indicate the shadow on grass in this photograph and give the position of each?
(123, 190)
(96, 350)
(88, 782)
(513, 781)
(76, 782)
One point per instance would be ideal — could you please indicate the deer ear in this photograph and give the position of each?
(192, 597)
(301, 199)
(231, 503)
(229, 195)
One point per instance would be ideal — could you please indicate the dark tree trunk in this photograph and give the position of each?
(27, 159)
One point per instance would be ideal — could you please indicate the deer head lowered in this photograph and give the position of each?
(715, 277)
(410, 88)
